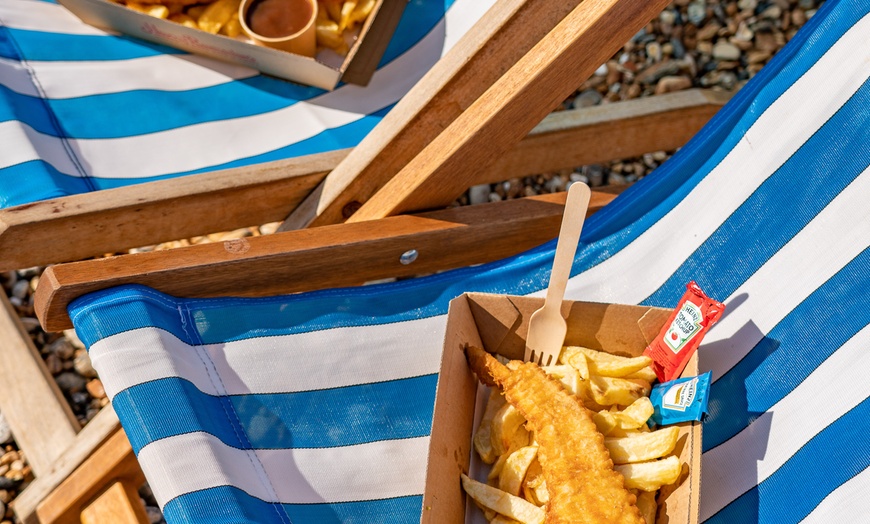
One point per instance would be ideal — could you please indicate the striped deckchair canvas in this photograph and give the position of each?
(317, 407)
(83, 110)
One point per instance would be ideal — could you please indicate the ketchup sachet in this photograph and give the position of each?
(682, 333)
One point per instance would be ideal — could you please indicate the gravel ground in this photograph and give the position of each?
(715, 44)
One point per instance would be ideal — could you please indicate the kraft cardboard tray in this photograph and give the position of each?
(499, 324)
(324, 71)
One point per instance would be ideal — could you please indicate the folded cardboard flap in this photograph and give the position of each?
(499, 324)
(503, 324)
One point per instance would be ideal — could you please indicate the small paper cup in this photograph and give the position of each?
(303, 42)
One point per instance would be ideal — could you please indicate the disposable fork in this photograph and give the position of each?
(547, 326)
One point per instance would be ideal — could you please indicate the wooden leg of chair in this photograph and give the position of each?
(113, 462)
(119, 504)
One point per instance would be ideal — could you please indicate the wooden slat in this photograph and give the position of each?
(293, 261)
(100, 428)
(511, 108)
(370, 51)
(110, 220)
(40, 417)
(119, 504)
(114, 460)
(496, 42)
(578, 137)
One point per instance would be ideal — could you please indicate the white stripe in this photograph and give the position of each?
(308, 361)
(61, 80)
(839, 233)
(844, 503)
(43, 16)
(15, 76)
(369, 471)
(747, 459)
(20, 143)
(214, 143)
(783, 128)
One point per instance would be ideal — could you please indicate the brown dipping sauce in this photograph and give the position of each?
(279, 18)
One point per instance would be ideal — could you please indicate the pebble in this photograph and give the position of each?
(95, 388)
(669, 84)
(8, 483)
(697, 12)
(601, 71)
(654, 51)
(587, 98)
(154, 515)
(82, 364)
(62, 348)
(725, 51)
(658, 71)
(70, 382)
(747, 5)
(5, 430)
(21, 289)
(478, 194)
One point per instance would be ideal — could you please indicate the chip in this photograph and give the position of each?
(650, 476)
(503, 503)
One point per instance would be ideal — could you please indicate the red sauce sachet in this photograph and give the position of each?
(682, 333)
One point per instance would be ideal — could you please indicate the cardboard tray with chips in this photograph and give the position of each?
(325, 71)
(499, 324)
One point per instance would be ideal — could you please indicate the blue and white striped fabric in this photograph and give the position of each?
(277, 409)
(82, 110)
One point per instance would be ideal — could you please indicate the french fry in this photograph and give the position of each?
(646, 373)
(361, 11)
(346, 11)
(497, 468)
(155, 10)
(605, 364)
(332, 8)
(508, 430)
(217, 14)
(233, 27)
(640, 447)
(609, 391)
(483, 437)
(567, 375)
(184, 20)
(646, 503)
(503, 503)
(514, 471)
(650, 476)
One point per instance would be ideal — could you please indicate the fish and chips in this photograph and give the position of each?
(582, 451)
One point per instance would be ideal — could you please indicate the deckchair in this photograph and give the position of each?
(76, 226)
(714, 213)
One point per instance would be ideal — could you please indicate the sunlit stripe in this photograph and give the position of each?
(22, 144)
(43, 16)
(297, 476)
(355, 356)
(842, 504)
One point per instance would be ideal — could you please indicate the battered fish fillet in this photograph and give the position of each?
(583, 487)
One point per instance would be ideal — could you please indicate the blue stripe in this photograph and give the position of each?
(27, 109)
(36, 180)
(790, 352)
(829, 161)
(42, 46)
(346, 416)
(823, 464)
(227, 504)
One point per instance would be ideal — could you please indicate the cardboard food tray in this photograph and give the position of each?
(499, 324)
(324, 71)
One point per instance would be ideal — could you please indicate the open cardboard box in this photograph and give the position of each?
(326, 70)
(499, 324)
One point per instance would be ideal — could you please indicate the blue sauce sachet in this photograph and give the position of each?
(680, 400)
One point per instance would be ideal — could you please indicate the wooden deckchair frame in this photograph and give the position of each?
(436, 171)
